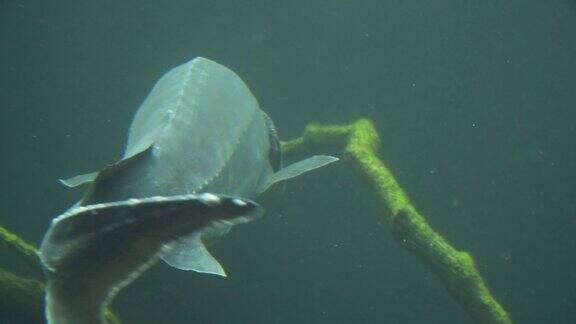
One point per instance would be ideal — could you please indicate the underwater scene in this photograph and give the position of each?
(287, 161)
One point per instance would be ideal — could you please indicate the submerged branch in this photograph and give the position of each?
(455, 268)
(360, 141)
(22, 299)
(23, 248)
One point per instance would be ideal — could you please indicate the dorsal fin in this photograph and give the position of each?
(111, 178)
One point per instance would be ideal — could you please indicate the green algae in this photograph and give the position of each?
(22, 299)
(360, 142)
(456, 269)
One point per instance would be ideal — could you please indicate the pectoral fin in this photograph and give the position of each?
(79, 180)
(296, 169)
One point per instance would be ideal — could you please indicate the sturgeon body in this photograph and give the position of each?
(199, 148)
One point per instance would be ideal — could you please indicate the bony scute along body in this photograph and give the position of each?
(199, 149)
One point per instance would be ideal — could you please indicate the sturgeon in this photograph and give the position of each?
(199, 150)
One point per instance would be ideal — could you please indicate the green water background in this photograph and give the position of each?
(474, 100)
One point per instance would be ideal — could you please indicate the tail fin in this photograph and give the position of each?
(92, 252)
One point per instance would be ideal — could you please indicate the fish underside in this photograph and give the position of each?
(198, 150)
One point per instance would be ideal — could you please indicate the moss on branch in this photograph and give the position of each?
(22, 299)
(456, 269)
(360, 142)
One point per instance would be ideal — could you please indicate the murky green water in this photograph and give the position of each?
(474, 102)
